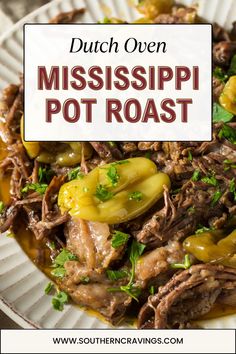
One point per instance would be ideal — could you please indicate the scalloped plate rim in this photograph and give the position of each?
(5, 306)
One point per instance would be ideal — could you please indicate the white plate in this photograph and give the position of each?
(21, 283)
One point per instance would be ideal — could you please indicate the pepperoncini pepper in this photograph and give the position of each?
(61, 153)
(228, 97)
(108, 193)
(214, 246)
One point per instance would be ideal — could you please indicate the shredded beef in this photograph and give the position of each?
(67, 17)
(219, 33)
(188, 295)
(91, 242)
(218, 87)
(223, 52)
(94, 293)
(190, 203)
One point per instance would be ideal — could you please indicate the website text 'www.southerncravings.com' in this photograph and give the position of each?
(119, 340)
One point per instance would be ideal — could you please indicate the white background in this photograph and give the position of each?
(188, 45)
(194, 341)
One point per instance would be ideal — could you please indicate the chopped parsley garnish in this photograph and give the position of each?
(136, 196)
(232, 68)
(219, 74)
(152, 290)
(60, 300)
(85, 280)
(232, 187)
(48, 288)
(210, 180)
(2, 207)
(148, 155)
(59, 262)
(191, 209)
(136, 251)
(230, 164)
(58, 272)
(10, 234)
(113, 175)
(37, 187)
(102, 193)
(105, 20)
(176, 191)
(220, 114)
(190, 156)
(119, 239)
(75, 174)
(202, 229)
(45, 174)
(63, 257)
(196, 176)
(52, 245)
(116, 274)
(228, 133)
(131, 290)
(185, 265)
(112, 143)
(216, 197)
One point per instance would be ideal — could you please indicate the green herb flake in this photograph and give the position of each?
(52, 245)
(63, 257)
(116, 274)
(75, 174)
(219, 74)
(45, 175)
(138, 196)
(230, 164)
(196, 176)
(48, 288)
(220, 114)
(228, 133)
(202, 229)
(190, 156)
(10, 234)
(119, 239)
(232, 187)
(232, 68)
(60, 300)
(113, 175)
(2, 207)
(148, 155)
(191, 209)
(132, 291)
(216, 197)
(152, 290)
(210, 180)
(106, 20)
(85, 280)
(59, 262)
(136, 251)
(58, 272)
(176, 191)
(185, 265)
(112, 143)
(37, 187)
(102, 193)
